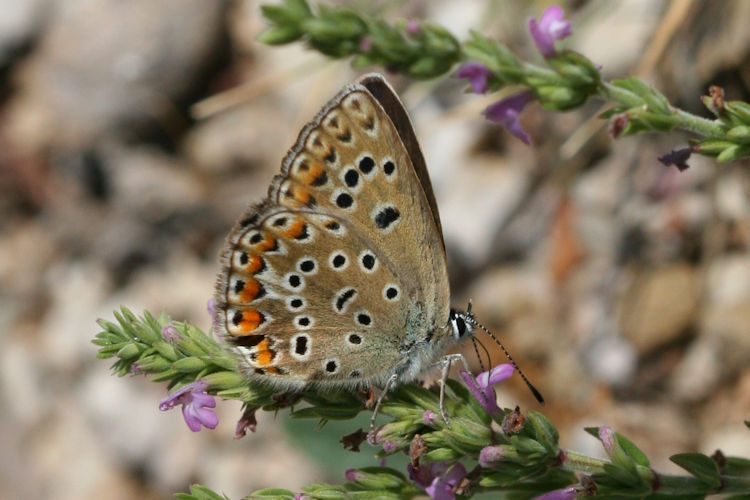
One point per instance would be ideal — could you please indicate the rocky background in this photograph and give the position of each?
(133, 134)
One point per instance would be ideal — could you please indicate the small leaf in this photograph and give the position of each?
(272, 494)
(700, 466)
(736, 466)
(633, 451)
(199, 492)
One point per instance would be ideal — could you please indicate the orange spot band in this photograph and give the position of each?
(252, 287)
(250, 321)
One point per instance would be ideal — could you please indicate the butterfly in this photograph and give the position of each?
(338, 279)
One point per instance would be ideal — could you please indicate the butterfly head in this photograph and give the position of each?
(462, 324)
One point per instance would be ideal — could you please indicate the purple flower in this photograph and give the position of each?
(195, 401)
(438, 479)
(477, 74)
(507, 111)
(481, 387)
(428, 417)
(301, 496)
(136, 369)
(365, 44)
(608, 438)
(390, 446)
(567, 493)
(490, 455)
(353, 474)
(678, 158)
(552, 26)
(170, 333)
(211, 307)
(412, 27)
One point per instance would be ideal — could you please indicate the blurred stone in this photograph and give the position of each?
(731, 200)
(729, 327)
(108, 64)
(150, 183)
(246, 137)
(611, 359)
(660, 304)
(732, 439)
(728, 280)
(19, 23)
(634, 21)
(699, 372)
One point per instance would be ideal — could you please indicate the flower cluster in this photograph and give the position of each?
(550, 27)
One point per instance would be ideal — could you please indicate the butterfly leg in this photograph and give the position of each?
(387, 387)
(446, 363)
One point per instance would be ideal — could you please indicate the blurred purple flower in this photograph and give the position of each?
(552, 26)
(195, 401)
(428, 417)
(301, 496)
(507, 111)
(353, 474)
(390, 446)
(365, 44)
(477, 74)
(490, 455)
(608, 438)
(170, 333)
(567, 493)
(481, 386)
(136, 369)
(438, 479)
(678, 158)
(412, 27)
(211, 307)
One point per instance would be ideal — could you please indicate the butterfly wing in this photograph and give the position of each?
(337, 275)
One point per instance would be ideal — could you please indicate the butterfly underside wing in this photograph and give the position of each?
(338, 279)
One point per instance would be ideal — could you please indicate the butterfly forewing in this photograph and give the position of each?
(333, 277)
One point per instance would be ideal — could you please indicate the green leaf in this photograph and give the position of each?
(738, 110)
(272, 494)
(543, 430)
(736, 466)
(199, 492)
(739, 133)
(632, 451)
(700, 466)
(734, 152)
(190, 364)
(442, 455)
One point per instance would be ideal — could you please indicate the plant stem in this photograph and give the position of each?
(683, 119)
(576, 462)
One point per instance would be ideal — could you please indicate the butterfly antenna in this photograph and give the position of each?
(473, 321)
(476, 351)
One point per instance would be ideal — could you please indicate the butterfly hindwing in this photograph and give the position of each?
(343, 267)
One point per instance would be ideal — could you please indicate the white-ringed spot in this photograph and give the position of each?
(368, 262)
(295, 303)
(386, 217)
(303, 322)
(367, 165)
(300, 346)
(351, 179)
(391, 292)
(363, 318)
(343, 199)
(338, 261)
(389, 168)
(307, 265)
(293, 281)
(354, 339)
(343, 298)
(331, 366)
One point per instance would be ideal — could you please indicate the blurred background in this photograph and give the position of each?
(133, 134)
